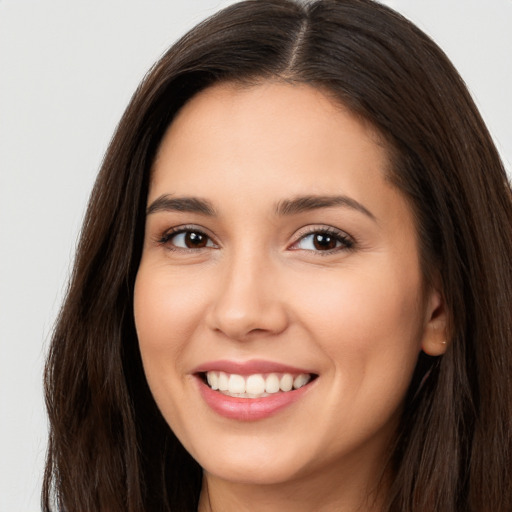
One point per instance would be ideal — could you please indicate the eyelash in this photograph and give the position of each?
(346, 242)
(173, 232)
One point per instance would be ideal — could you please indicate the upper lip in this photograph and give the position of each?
(249, 367)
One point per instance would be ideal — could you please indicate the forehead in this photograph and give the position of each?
(293, 131)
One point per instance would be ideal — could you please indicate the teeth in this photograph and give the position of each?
(272, 383)
(236, 384)
(213, 380)
(223, 381)
(257, 385)
(300, 380)
(286, 382)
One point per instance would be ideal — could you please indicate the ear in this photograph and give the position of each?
(435, 333)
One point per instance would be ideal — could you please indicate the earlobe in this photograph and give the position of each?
(435, 335)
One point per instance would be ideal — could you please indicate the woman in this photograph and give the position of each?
(292, 289)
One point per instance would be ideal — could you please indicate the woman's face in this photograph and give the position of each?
(281, 265)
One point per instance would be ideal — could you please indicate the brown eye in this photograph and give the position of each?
(194, 240)
(324, 242)
(187, 239)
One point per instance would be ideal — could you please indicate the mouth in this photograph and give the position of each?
(257, 385)
(252, 390)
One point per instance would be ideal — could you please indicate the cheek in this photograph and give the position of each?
(370, 329)
(166, 308)
(356, 303)
(369, 323)
(166, 312)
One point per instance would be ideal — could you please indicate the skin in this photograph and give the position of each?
(259, 288)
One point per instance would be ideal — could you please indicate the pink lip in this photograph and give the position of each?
(249, 409)
(248, 367)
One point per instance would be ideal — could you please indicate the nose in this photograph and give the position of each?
(247, 300)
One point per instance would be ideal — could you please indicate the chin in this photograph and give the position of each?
(245, 473)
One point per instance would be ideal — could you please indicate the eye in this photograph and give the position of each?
(186, 238)
(324, 240)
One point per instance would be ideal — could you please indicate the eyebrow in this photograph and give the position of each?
(312, 202)
(285, 207)
(166, 203)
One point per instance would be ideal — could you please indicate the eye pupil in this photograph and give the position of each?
(193, 240)
(324, 242)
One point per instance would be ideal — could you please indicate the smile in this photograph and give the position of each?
(256, 385)
(252, 390)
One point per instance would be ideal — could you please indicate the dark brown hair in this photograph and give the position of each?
(109, 447)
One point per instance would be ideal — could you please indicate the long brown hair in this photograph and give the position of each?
(109, 447)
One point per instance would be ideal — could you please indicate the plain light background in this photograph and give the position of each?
(67, 71)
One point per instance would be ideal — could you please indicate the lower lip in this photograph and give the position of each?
(249, 409)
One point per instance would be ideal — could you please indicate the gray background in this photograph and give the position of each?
(67, 71)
